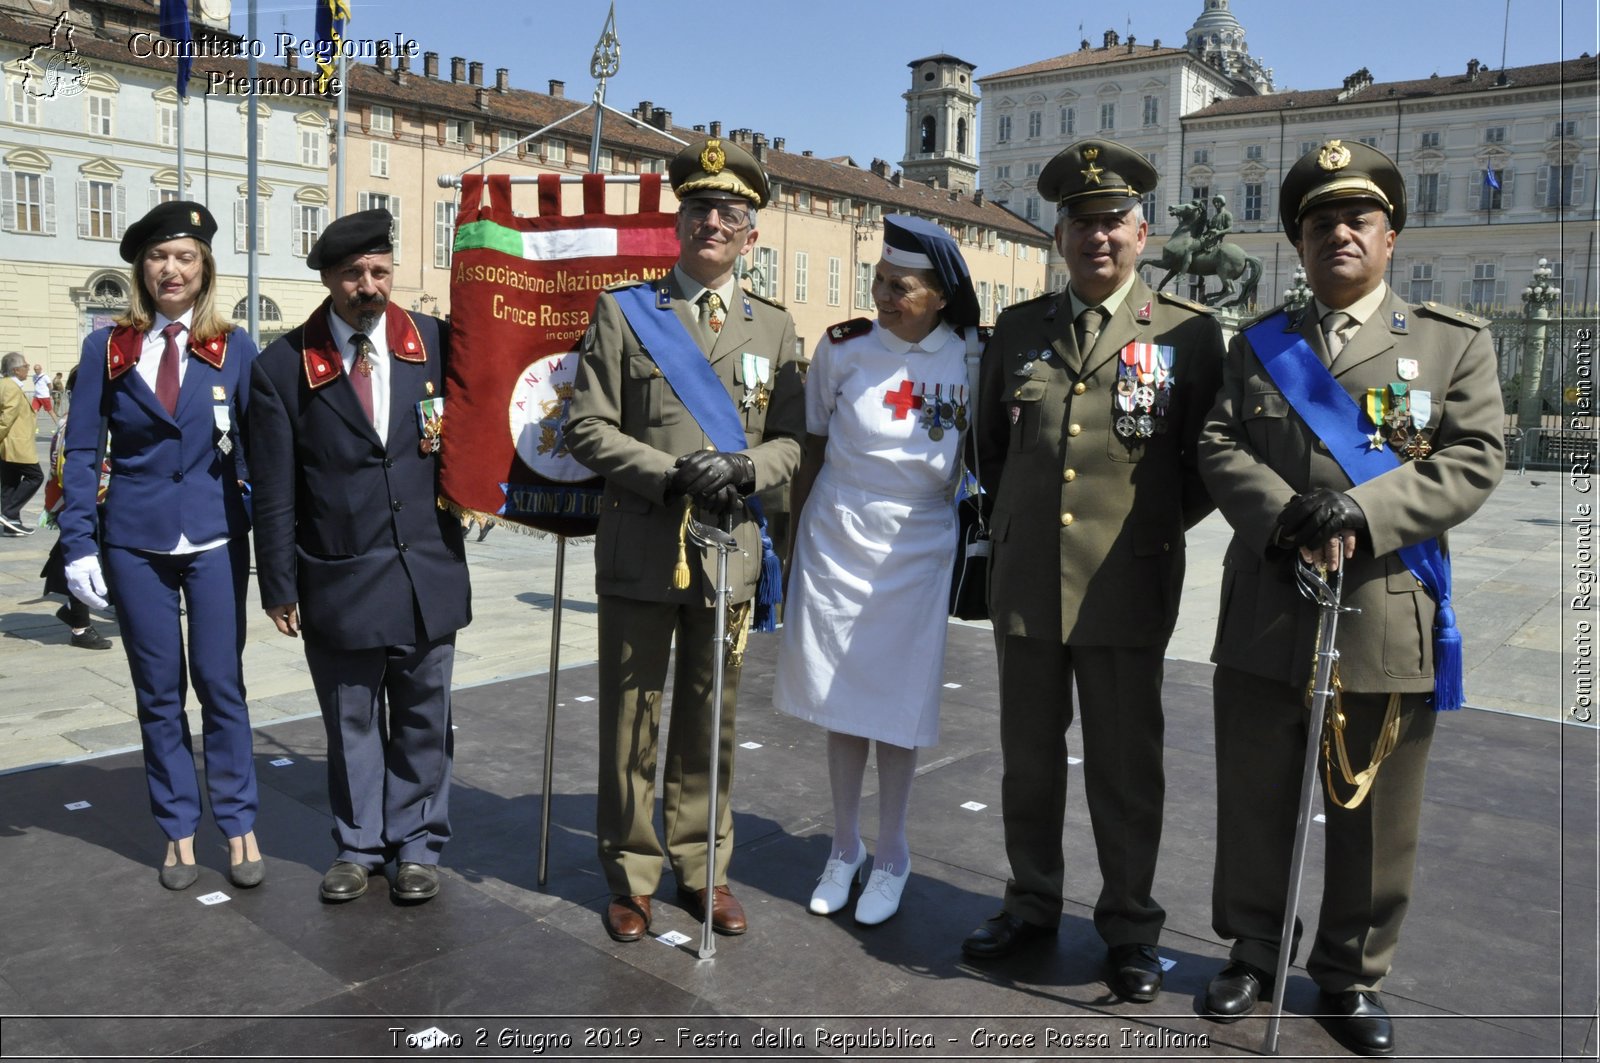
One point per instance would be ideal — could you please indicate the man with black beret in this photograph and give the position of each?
(687, 400)
(351, 549)
(1100, 390)
(1353, 433)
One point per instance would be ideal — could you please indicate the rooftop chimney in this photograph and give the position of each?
(1111, 38)
(291, 58)
(382, 58)
(483, 98)
(1472, 69)
(716, 129)
(808, 153)
(1156, 43)
(403, 63)
(475, 73)
(759, 142)
(430, 65)
(558, 89)
(777, 143)
(699, 129)
(1130, 42)
(458, 68)
(977, 197)
(646, 108)
(502, 80)
(661, 118)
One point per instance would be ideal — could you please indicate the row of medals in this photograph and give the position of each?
(945, 409)
(430, 423)
(1402, 414)
(1144, 392)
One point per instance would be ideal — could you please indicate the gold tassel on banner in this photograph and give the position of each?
(739, 635)
(680, 572)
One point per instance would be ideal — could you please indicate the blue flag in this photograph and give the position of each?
(1491, 179)
(331, 18)
(175, 27)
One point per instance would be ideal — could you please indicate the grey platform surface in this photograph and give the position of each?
(98, 962)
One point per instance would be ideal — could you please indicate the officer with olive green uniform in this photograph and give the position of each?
(1421, 381)
(1090, 402)
(630, 424)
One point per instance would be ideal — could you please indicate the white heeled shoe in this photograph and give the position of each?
(833, 888)
(881, 898)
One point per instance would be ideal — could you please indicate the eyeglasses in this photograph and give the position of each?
(729, 217)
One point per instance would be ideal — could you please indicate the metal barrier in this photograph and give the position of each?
(1550, 448)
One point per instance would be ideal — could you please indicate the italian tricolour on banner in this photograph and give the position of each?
(521, 292)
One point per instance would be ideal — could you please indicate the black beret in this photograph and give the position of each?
(1337, 170)
(715, 166)
(1096, 177)
(168, 221)
(365, 232)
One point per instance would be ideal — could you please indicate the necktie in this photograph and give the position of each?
(1334, 326)
(1089, 324)
(361, 375)
(711, 313)
(167, 371)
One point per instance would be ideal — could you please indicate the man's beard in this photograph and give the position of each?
(368, 310)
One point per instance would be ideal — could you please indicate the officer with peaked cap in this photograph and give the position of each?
(352, 551)
(161, 395)
(670, 438)
(1331, 441)
(1100, 390)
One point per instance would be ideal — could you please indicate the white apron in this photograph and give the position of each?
(862, 649)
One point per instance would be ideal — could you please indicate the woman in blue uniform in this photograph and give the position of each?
(162, 394)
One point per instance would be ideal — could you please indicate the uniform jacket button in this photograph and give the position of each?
(1070, 475)
(404, 548)
(177, 477)
(1073, 429)
(388, 463)
(1079, 388)
(1066, 519)
(398, 505)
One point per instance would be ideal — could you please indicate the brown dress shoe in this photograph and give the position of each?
(627, 918)
(727, 914)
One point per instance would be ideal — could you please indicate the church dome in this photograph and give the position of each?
(1216, 28)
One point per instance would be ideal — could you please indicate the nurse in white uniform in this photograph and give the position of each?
(864, 623)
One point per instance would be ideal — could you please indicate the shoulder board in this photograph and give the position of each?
(764, 299)
(1452, 314)
(849, 330)
(1187, 304)
(1035, 299)
(619, 285)
(1253, 321)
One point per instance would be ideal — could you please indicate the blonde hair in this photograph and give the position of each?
(205, 324)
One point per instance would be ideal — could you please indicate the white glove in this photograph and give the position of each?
(86, 583)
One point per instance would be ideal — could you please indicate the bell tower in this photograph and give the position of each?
(942, 124)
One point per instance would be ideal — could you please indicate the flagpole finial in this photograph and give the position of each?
(607, 50)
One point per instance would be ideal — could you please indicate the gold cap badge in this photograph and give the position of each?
(1092, 174)
(1333, 156)
(713, 158)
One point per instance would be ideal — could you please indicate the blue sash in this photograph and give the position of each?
(697, 385)
(1336, 419)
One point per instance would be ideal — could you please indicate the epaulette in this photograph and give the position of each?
(849, 330)
(758, 297)
(1035, 299)
(1452, 314)
(1187, 304)
(619, 285)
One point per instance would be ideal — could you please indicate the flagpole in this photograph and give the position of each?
(253, 314)
(607, 59)
(338, 169)
(183, 191)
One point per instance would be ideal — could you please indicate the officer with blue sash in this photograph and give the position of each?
(688, 400)
(1355, 431)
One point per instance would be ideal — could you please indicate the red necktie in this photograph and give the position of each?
(167, 371)
(361, 372)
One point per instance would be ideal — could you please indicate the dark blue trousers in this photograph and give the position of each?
(146, 589)
(387, 714)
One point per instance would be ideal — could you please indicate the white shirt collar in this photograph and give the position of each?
(1360, 310)
(933, 341)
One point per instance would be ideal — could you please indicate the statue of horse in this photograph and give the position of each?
(1239, 272)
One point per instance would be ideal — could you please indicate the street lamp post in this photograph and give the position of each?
(1537, 299)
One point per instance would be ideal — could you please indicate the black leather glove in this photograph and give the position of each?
(1310, 520)
(727, 500)
(704, 473)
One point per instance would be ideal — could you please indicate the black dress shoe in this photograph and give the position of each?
(1134, 972)
(1002, 935)
(1358, 1020)
(1235, 990)
(344, 882)
(415, 883)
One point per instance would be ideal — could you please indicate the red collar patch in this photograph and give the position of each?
(1143, 313)
(321, 358)
(126, 344)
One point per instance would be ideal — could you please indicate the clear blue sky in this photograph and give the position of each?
(828, 74)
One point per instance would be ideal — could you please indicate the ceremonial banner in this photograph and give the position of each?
(521, 292)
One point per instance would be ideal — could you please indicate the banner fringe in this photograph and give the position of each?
(470, 517)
